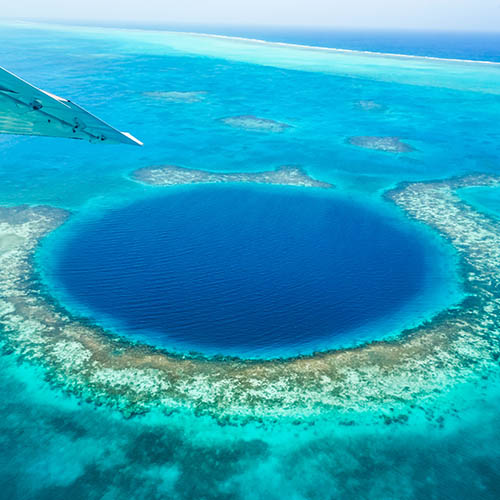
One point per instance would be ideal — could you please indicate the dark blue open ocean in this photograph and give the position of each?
(249, 270)
(452, 45)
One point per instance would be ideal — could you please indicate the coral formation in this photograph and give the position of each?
(389, 144)
(170, 175)
(250, 122)
(393, 378)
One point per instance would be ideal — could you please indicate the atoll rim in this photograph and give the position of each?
(456, 346)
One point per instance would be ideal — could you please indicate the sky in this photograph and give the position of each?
(470, 15)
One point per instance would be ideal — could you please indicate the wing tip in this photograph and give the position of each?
(132, 139)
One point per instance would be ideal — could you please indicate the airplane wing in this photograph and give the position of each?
(28, 110)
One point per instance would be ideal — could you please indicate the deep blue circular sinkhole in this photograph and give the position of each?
(240, 270)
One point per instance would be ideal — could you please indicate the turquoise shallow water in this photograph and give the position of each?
(55, 446)
(61, 448)
(485, 200)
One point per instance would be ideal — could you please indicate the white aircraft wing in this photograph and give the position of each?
(27, 110)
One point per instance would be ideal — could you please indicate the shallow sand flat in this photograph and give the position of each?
(389, 380)
(170, 175)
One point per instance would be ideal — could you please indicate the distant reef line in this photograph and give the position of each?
(386, 382)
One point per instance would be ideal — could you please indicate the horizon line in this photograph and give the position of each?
(154, 23)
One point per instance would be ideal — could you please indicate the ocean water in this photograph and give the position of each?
(281, 273)
(485, 200)
(473, 46)
(454, 45)
(57, 446)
